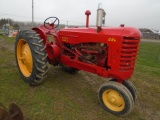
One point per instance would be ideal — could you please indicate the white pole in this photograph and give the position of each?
(32, 13)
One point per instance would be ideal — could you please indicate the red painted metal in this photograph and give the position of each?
(87, 13)
(42, 34)
(123, 45)
(112, 52)
(53, 51)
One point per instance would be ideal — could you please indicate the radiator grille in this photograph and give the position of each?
(129, 51)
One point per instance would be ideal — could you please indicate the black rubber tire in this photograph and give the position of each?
(131, 88)
(39, 55)
(122, 91)
(67, 69)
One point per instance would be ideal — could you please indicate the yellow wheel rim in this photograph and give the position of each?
(24, 57)
(113, 100)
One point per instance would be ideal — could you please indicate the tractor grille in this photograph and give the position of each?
(130, 46)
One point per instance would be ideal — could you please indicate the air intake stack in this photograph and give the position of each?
(87, 13)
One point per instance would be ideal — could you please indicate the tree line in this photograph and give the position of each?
(4, 21)
(22, 25)
(15, 24)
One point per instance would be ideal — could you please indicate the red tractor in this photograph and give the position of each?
(110, 52)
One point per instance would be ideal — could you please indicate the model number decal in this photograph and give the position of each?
(65, 39)
(111, 39)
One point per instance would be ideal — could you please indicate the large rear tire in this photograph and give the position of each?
(116, 98)
(31, 57)
(68, 69)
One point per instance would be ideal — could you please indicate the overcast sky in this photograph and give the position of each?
(137, 13)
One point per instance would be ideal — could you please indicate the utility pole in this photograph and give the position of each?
(8, 27)
(32, 13)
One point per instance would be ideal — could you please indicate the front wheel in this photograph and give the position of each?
(31, 57)
(131, 88)
(116, 98)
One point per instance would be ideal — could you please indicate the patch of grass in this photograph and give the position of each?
(8, 39)
(68, 97)
(149, 58)
(149, 54)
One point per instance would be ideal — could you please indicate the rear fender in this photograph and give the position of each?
(41, 33)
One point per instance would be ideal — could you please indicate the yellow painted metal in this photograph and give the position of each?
(113, 100)
(24, 57)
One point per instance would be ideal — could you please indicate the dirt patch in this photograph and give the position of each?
(1, 39)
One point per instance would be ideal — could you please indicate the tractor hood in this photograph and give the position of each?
(79, 35)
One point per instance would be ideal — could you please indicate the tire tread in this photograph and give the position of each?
(39, 54)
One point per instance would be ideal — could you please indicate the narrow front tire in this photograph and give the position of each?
(115, 98)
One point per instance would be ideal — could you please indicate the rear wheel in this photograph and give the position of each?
(31, 57)
(68, 69)
(116, 98)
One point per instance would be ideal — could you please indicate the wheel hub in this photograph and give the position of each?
(26, 55)
(25, 59)
(113, 100)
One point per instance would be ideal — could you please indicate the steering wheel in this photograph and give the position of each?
(50, 22)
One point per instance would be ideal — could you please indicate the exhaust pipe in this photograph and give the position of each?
(100, 17)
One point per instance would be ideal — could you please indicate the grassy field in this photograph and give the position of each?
(74, 97)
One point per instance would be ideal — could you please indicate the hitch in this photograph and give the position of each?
(13, 113)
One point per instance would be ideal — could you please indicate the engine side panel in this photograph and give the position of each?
(117, 61)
